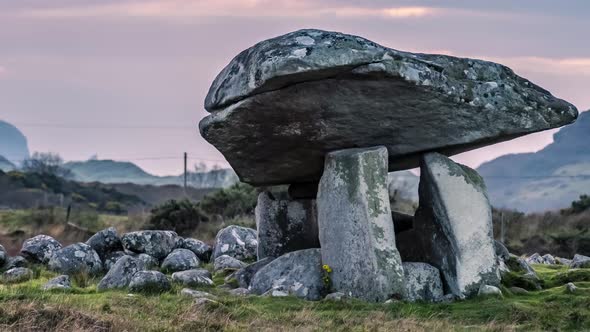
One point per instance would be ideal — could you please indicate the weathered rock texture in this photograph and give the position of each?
(76, 258)
(105, 242)
(455, 219)
(120, 274)
(149, 282)
(355, 227)
(40, 248)
(237, 242)
(423, 282)
(285, 225)
(59, 282)
(320, 91)
(180, 260)
(298, 273)
(154, 243)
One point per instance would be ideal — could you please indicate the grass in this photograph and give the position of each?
(26, 307)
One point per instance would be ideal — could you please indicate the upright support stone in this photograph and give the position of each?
(356, 230)
(285, 225)
(455, 221)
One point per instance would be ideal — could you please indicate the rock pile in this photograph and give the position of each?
(329, 115)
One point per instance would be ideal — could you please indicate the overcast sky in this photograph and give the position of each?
(126, 80)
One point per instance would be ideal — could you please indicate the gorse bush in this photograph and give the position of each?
(237, 200)
(581, 205)
(179, 216)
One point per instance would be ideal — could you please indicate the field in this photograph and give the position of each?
(26, 307)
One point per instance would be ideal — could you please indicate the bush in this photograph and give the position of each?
(237, 200)
(581, 205)
(183, 217)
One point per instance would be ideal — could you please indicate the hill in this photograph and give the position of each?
(6, 165)
(13, 144)
(110, 171)
(545, 180)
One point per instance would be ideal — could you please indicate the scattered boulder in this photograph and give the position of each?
(204, 301)
(239, 292)
(298, 273)
(193, 278)
(285, 225)
(111, 258)
(548, 259)
(76, 258)
(244, 275)
(337, 296)
(518, 290)
(200, 248)
(580, 261)
(17, 275)
(60, 282)
(237, 242)
(197, 294)
(105, 241)
(501, 250)
(308, 92)
(486, 290)
(120, 274)
(180, 260)
(148, 262)
(456, 217)
(535, 259)
(16, 261)
(225, 263)
(570, 287)
(40, 248)
(149, 282)
(3, 256)
(158, 244)
(423, 282)
(356, 230)
(563, 261)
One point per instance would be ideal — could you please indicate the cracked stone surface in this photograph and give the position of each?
(40, 248)
(76, 258)
(236, 241)
(282, 104)
(120, 274)
(158, 244)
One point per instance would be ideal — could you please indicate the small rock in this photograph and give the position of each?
(149, 282)
(120, 274)
(239, 292)
(580, 261)
(548, 259)
(196, 294)
(447, 298)
(226, 262)
(105, 241)
(563, 261)
(40, 248)
(200, 248)
(244, 275)
(485, 290)
(148, 262)
(180, 260)
(16, 261)
(276, 293)
(423, 282)
(111, 258)
(60, 282)
(193, 278)
(158, 244)
(204, 301)
(74, 259)
(570, 287)
(237, 242)
(338, 296)
(501, 250)
(535, 259)
(518, 291)
(17, 274)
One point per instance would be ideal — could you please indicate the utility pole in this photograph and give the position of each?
(185, 172)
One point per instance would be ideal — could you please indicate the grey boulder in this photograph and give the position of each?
(319, 91)
(40, 248)
(535, 259)
(111, 258)
(74, 259)
(120, 274)
(239, 292)
(180, 260)
(285, 225)
(549, 259)
(423, 282)
(487, 290)
(59, 282)
(193, 278)
(105, 241)
(227, 263)
(244, 275)
(501, 250)
(149, 282)
(154, 243)
(16, 261)
(3, 256)
(200, 248)
(17, 274)
(580, 261)
(197, 294)
(298, 273)
(236, 241)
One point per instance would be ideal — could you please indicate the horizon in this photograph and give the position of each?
(126, 80)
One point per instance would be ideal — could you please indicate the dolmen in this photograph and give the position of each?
(330, 115)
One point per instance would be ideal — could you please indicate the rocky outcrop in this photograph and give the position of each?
(456, 222)
(355, 227)
(40, 248)
(298, 273)
(76, 259)
(285, 225)
(236, 241)
(345, 91)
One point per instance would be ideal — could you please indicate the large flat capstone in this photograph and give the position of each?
(355, 227)
(281, 105)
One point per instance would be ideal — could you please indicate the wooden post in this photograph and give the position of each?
(185, 172)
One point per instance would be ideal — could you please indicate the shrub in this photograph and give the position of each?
(179, 216)
(581, 205)
(237, 200)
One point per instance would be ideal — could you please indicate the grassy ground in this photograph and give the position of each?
(26, 307)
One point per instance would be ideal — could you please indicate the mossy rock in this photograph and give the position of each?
(513, 279)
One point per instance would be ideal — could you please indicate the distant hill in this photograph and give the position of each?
(110, 171)
(545, 180)
(13, 144)
(6, 165)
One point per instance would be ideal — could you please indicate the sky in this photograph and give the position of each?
(126, 79)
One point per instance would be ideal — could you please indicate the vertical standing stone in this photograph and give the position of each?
(455, 221)
(356, 230)
(285, 225)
